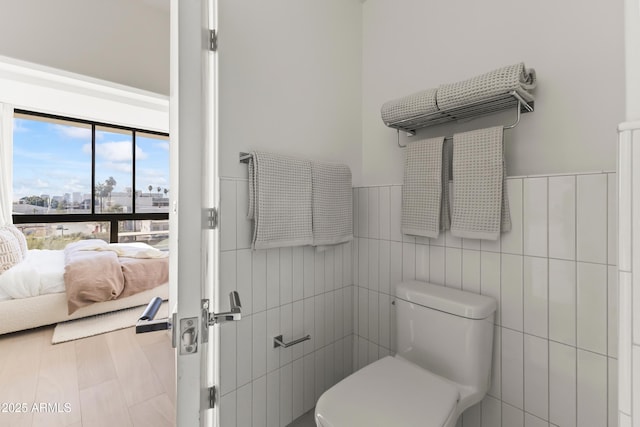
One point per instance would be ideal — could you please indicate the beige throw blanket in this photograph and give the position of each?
(95, 273)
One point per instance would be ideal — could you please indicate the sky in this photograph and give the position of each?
(54, 159)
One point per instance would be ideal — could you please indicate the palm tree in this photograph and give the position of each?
(166, 190)
(150, 187)
(100, 193)
(109, 186)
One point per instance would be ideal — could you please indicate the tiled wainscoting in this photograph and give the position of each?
(553, 275)
(290, 291)
(629, 278)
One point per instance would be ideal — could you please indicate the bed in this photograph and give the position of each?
(33, 283)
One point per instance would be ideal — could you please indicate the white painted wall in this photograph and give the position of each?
(576, 47)
(632, 56)
(123, 41)
(290, 74)
(48, 90)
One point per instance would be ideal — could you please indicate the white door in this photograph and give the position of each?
(193, 238)
(192, 129)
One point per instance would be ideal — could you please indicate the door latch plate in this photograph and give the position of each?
(189, 335)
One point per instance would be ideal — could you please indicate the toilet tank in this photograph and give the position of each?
(447, 331)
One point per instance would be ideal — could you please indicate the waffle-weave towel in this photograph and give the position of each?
(332, 203)
(410, 106)
(497, 82)
(480, 203)
(280, 201)
(425, 189)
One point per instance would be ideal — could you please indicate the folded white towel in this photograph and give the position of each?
(480, 205)
(280, 201)
(501, 81)
(332, 203)
(424, 195)
(410, 106)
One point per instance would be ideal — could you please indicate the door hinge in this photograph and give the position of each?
(210, 217)
(213, 40)
(212, 397)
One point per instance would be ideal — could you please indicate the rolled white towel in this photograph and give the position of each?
(410, 106)
(497, 82)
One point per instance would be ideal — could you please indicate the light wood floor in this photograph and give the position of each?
(117, 379)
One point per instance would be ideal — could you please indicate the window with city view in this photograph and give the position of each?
(76, 179)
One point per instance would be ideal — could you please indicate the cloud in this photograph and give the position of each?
(144, 177)
(19, 126)
(32, 155)
(106, 168)
(31, 185)
(41, 184)
(164, 145)
(115, 151)
(73, 131)
(140, 153)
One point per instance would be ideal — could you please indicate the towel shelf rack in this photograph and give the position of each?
(468, 111)
(244, 157)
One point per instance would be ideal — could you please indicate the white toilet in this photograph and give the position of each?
(443, 364)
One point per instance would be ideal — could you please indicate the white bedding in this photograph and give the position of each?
(42, 270)
(32, 293)
(4, 296)
(40, 273)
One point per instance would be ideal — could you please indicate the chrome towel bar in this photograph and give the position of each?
(277, 341)
(244, 157)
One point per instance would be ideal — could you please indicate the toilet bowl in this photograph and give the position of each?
(442, 366)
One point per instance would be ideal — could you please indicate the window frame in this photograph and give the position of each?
(112, 218)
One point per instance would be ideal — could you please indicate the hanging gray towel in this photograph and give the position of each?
(498, 82)
(425, 189)
(280, 201)
(332, 203)
(480, 204)
(410, 106)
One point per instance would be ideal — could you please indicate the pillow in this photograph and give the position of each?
(10, 253)
(83, 245)
(22, 241)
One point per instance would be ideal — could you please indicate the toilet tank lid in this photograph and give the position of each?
(449, 300)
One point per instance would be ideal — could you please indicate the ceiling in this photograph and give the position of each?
(123, 41)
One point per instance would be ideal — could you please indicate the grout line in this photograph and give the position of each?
(522, 287)
(631, 329)
(606, 298)
(501, 340)
(575, 209)
(548, 322)
(494, 251)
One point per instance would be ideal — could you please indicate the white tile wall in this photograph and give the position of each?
(536, 376)
(289, 291)
(555, 346)
(553, 276)
(562, 217)
(591, 218)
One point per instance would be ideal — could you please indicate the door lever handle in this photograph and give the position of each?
(235, 312)
(146, 322)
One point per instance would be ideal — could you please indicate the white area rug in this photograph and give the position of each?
(101, 323)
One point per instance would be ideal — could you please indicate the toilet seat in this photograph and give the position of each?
(389, 392)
